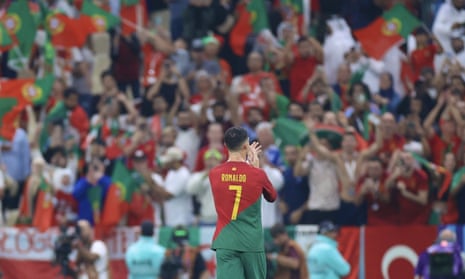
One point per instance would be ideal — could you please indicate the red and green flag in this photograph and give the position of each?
(43, 211)
(101, 19)
(298, 12)
(119, 195)
(21, 25)
(133, 14)
(15, 95)
(252, 20)
(65, 31)
(387, 31)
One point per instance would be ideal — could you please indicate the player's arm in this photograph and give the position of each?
(269, 192)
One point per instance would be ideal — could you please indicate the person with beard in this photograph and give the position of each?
(253, 118)
(188, 138)
(220, 112)
(92, 255)
(290, 260)
(77, 116)
(295, 111)
(303, 61)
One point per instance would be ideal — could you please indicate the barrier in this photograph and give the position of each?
(373, 252)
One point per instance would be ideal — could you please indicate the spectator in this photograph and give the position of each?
(323, 258)
(90, 192)
(271, 151)
(199, 186)
(290, 260)
(271, 213)
(144, 258)
(215, 141)
(449, 18)
(178, 208)
(93, 256)
(188, 138)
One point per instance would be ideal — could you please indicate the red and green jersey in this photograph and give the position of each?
(237, 190)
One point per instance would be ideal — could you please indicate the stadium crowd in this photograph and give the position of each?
(145, 115)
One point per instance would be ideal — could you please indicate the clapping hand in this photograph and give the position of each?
(252, 154)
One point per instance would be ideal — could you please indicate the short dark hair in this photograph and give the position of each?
(107, 73)
(70, 92)
(235, 137)
(277, 230)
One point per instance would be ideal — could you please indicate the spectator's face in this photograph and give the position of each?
(57, 89)
(415, 106)
(215, 133)
(108, 83)
(385, 81)
(280, 240)
(457, 83)
(457, 44)
(97, 150)
(318, 88)
(58, 160)
(448, 127)
(72, 101)
(388, 123)
(219, 113)
(184, 120)
(459, 4)
(343, 73)
(255, 62)
(204, 84)
(316, 111)
(296, 112)
(421, 39)
(305, 48)
(329, 118)
(140, 165)
(349, 143)
(212, 49)
(168, 138)
(265, 137)
(291, 154)
(374, 169)
(254, 117)
(160, 105)
(449, 161)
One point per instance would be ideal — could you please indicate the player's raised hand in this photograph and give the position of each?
(252, 155)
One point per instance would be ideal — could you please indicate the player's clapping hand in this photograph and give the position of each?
(252, 155)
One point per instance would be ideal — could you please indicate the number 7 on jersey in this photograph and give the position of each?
(237, 200)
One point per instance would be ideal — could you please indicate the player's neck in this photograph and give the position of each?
(235, 157)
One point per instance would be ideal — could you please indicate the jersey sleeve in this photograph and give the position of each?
(268, 190)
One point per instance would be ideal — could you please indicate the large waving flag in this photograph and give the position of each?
(299, 11)
(6, 42)
(133, 14)
(387, 31)
(252, 19)
(68, 32)
(43, 212)
(118, 196)
(15, 95)
(101, 19)
(21, 24)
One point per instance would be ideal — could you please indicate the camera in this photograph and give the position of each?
(62, 248)
(173, 263)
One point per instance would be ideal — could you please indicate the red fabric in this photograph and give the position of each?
(80, 121)
(43, 213)
(423, 58)
(226, 70)
(349, 246)
(65, 203)
(386, 213)
(199, 162)
(390, 146)
(301, 70)
(257, 184)
(140, 209)
(395, 248)
(439, 147)
(113, 207)
(384, 41)
(149, 148)
(153, 62)
(131, 16)
(69, 32)
(413, 213)
(127, 64)
(241, 30)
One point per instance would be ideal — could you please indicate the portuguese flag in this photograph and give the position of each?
(101, 19)
(252, 19)
(43, 212)
(388, 30)
(22, 27)
(68, 32)
(118, 196)
(133, 14)
(300, 14)
(15, 95)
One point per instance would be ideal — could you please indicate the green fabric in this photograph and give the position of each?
(336, 104)
(243, 234)
(257, 9)
(43, 87)
(122, 177)
(282, 104)
(5, 38)
(94, 194)
(457, 178)
(243, 265)
(164, 237)
(422, 161)
(129, 2)
(109, 20)
(288, 131)
(25, 29)
(58, 112)
(49, 54)
(6, 105)
(296, 5)
(405, 22)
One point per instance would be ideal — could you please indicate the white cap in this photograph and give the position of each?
(172, 154)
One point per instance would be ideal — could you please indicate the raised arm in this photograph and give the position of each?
(428, 124)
